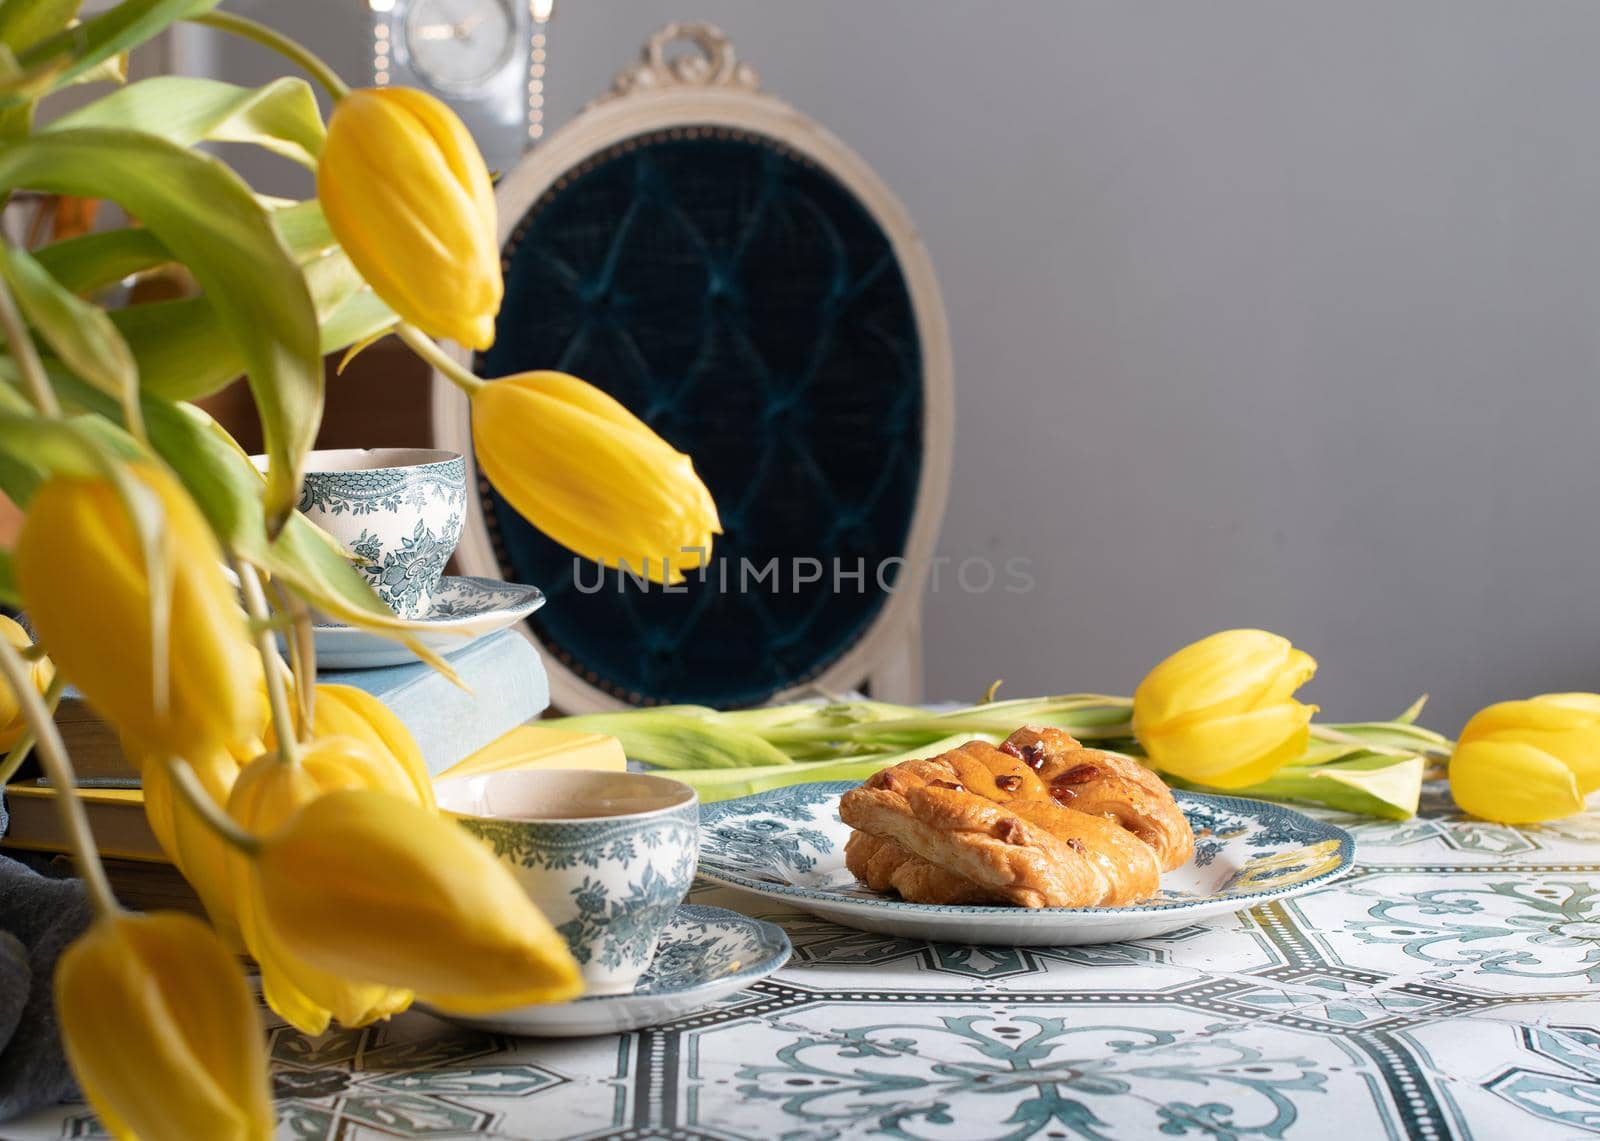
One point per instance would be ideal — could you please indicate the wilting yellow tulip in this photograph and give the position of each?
(365, 885)
(268, 793)
(1519, 762)
(591, 475)
(12, 723)
(345, 711)
(409, 198)
(162, 1032)
(79, 565)
(189, 842)
(1221, 711)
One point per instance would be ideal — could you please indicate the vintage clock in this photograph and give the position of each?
(486, 58)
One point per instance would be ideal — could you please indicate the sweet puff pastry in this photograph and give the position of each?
(1040, 821)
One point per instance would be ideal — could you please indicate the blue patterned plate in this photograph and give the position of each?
(788, 844)
(705, 954)
(464, 610)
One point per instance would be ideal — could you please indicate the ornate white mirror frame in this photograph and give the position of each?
(711, 88)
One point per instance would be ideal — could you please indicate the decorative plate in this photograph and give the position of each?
(705, 954)
(464, 610)
(788, 844)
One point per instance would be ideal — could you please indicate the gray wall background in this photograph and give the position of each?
(1264, 313)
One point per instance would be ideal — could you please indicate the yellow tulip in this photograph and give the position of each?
(161, 1031)
(40, 672)
(1221, 711)
(268, 793)
(80, 567)
(1519, 762)
(591, 475)
(345, 711)
(189, 842)
(409, 198)
(365, 885)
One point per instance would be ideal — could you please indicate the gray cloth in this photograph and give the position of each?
(39, 916)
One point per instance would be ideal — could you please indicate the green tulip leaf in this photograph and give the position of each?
(333, 279)
(9, 594)
(207, 217)
(1363, 783)
(727, 783)
(64, 57)
(12, 399)
(671, 741)
(19, 480)
(181, 346)
(24, 23)
(57, 446)
(93, 261)
(363, 318)
(304, 229)
(184, 353)
(80, 334)
(18, 477)
(113, 69)
(281, 116)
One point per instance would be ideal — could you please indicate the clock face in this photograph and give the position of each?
(457, 44)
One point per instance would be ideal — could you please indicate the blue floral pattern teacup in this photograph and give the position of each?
(398, 510)
(607, 856)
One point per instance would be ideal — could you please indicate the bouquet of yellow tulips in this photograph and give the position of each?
(156, 565)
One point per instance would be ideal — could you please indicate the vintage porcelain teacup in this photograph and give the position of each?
(399, 509)
(608, 857)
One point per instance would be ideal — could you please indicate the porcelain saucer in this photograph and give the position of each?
(464, 609)
(788, 844)
(706, 953)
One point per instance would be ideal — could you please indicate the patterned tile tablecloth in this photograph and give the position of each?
(1447, 987)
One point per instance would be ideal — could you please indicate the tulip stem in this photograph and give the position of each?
(428, 349)
(19, 752)
(216, 817)
(302, 57)
(26, 354)
(57, 766)
(302, 656)
(255, 605)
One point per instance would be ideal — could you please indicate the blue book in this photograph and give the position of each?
(503, 672)
(507, 682)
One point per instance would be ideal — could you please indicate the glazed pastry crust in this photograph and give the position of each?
(1110, 785)
(1039, 822)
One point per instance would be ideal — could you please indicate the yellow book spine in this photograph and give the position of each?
(534, 746)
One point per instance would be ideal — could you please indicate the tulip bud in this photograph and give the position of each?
(12, 723)
(268, 793)
(345, 711)
(591, 475)
(1519, 762)
(364, 885)
(79, 565)
(407, 194)
(161, 1031)
(1220, 712)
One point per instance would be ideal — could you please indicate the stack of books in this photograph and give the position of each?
(490, 725)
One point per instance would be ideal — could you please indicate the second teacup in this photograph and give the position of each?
(607, 856)
(399, 509)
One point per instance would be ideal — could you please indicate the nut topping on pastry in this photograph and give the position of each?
(1040, 821)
